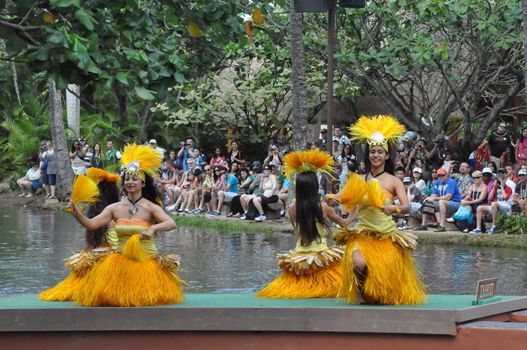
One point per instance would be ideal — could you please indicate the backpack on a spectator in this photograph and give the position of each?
(252, 213)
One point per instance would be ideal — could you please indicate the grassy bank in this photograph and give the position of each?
(450, 238)
(231, 225)
(476, 240)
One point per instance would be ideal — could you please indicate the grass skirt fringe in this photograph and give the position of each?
(314, 275)
(131, 278)
(79, 265)
(391, 277)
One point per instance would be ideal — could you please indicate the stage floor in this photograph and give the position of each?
(245, 313)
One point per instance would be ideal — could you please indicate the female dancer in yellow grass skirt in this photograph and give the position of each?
(312, 269)
(378, 264)
(99, 242)
(135, 275)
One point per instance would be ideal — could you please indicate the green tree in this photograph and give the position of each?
(433, 60)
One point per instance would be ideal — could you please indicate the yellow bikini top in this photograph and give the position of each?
(126, 228)
(315, 246)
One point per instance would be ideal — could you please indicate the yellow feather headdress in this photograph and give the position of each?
(311, 160)
(377, 130)
(98, 175)
(140, 159)
(84, 190)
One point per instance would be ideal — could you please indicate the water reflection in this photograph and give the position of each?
(34, 243)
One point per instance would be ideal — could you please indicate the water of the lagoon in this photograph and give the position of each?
(34, 243)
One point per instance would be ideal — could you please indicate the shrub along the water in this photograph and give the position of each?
(514, 224)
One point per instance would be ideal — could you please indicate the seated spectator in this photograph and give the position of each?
(245, 182)
(399, 172)
(415, 197)
(186, 198)
(446, 199)
(204, 191)
(168, 180)
(520, 194)
(463, 179)
(499, 199)
(475, 196)
(30, 182)
(269, 186)
(218, 158)
(418, 181)
(229, 189)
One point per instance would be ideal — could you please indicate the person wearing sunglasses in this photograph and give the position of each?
(446, 199)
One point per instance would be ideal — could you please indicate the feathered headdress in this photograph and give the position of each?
(140, 159)
(378, 130)
(312, 160)
(84, 190)
(98, 175)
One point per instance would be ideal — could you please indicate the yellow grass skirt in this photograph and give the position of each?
(130, 278)
(391, 277)
(79, 265)
(306, 275)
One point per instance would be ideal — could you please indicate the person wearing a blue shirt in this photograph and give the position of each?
(229, 189)
(446, 199)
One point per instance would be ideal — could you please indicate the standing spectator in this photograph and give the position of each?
(446, 199)
(417, 157)
(346, 159)
(153, 144)
(274, 158)
(198, 157)
(112, 157)
(88, 154)
(436, 156)
(49, 167)
(521, 149)
(235, 155)
(463, 178)
(340, 138)
(77, 159)
(96, 158)
(499, 141)
(520, 194)
(30, 182)
(482, 155)
(186, 152)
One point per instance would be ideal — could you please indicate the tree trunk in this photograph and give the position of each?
(524, 6)
(73, 108)
(122, 103)
(64, 171)
(145, 119)
(299, 118)
(15, 82)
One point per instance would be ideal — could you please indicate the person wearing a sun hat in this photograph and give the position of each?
(520, 193)
(446, 199)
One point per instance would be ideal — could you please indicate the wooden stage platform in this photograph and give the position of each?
(241, 321)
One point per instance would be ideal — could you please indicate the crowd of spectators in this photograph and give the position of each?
(441, 187)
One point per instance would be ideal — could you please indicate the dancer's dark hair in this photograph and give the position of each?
(109, 194)
(308, 208)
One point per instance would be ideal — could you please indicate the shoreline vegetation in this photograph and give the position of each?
(228, 225)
